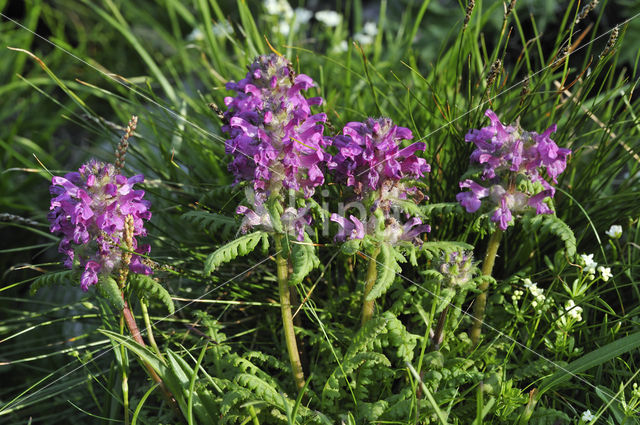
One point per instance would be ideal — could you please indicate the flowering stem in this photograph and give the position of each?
(287, 319)
(372, 275)
(481, 299)
(125, 380)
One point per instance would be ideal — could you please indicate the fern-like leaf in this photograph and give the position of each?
(387, 267)
(303, 259)
(56, 278)
(438, 249)
(241, 246)
(109, 289)
(214, 223)
(149, 288)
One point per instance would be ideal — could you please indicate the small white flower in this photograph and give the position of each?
(573, 310)
(587, 416)
(195, 35)
(614, 232)
(284, 28)
(364, 39)
(527, 282)
(278, 7)
(302, 15)
(330, 18)
(370, 28)
(222, 29)
(605, 273)
(343, 46)
(589, 264)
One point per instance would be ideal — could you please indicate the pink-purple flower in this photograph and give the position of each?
(513, 162)
(275, 140)
(369, 154)
(89, 208)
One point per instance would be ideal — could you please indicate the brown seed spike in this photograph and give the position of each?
(611, 43)
(509, 9)
(468, 12)
(496, 67)
(123, 145)
(525, 89)
(586, 9)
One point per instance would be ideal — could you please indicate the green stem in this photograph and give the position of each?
(481, 299)
(287, 319)
(125, 381)
(372, 275)
(147, 324)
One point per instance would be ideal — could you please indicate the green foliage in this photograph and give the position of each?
(64, 277)
(147, 287)
(111, 291)
(213, 223)
(547, 223)
(241, 246)
(303, 259)
(387, 266)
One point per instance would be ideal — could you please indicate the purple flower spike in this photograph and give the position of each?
(369, 154)
(274, 139)
(89, 208)
(509, 156)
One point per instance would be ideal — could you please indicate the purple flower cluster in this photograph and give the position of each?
(457, 267)
(370, 160)
(89, 208)
(512, 162)
(369, 154)
(274, 138)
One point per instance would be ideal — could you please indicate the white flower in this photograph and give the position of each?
(587, 416)
(284, 28)
(195, 35)
(222, 29)
(370, 28)
(527, 282)
(278, 7)
(605, 273)
(330, 18)
(573, 310)
(364, 39)
(343, 46)
(614, 232)
(589, 264)
(302, 15)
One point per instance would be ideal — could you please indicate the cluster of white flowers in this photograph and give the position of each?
(587, 416)
(573, 310)
(291, 19)
(517, 296)
(330, 18)
(369, 31)
(605, 273)
(538, 295)
(589, 265)
(614, 232)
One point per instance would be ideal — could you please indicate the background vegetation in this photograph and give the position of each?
(94, 64)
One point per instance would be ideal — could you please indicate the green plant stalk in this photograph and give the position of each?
(125, 382)
(287, 319)
(372, 274)
(481, 299)
(147, 324)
